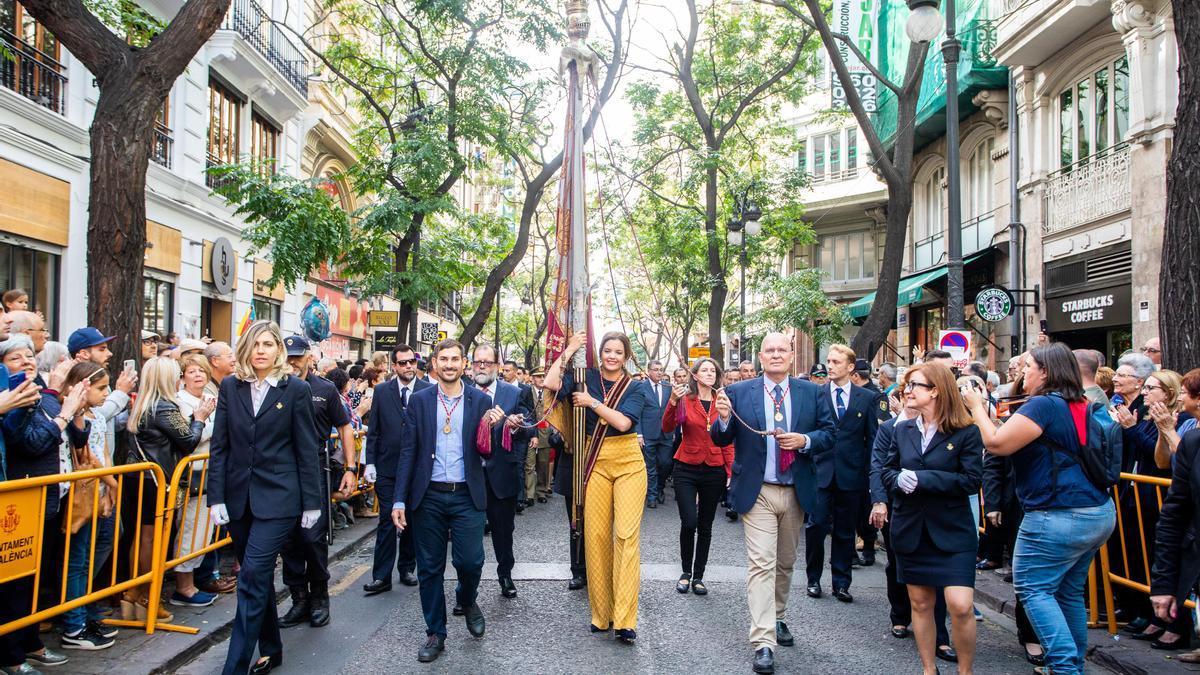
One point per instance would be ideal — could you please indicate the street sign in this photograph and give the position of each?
(698, 352)
(383, 318)
(994, 303)
(958, 344)
(386, 340)
(223, 263)
(429, 333)
(442, 335)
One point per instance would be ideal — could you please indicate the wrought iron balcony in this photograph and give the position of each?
(254, 24)
(163, 146)
(834, 176)
(1095, 187)
(32, 73)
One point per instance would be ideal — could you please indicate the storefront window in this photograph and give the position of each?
(157, 305)
(37, 273)
(267, 309)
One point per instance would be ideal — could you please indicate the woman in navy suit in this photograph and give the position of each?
(263, 477)
(934, 465)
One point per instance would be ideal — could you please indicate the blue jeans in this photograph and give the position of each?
(1054, 550)
(78, 570)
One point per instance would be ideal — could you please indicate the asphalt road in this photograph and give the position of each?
(545, 629)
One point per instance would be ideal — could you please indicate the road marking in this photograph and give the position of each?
(351, 577)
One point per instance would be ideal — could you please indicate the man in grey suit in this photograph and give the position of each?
(658, 448)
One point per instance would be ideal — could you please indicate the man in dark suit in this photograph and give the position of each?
(658, 448)
(440, 488)
(776, 423)
(505, 469)
(380, 454)
(512, 375)
(861, 377)
(842, 477)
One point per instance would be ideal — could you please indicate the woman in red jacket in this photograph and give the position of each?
(701, 469)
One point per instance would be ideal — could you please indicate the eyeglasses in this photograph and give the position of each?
(1152, 387)
(485, 364)
(909, 386)
(405, 362)
(1151, 350)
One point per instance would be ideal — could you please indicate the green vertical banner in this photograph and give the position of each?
(859, 20)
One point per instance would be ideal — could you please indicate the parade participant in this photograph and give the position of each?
(702, 470)
(440, 491)
(615, 488)
(842, 473)
(381, 454)
(512, 375)
(537, 461)
(263, 478)
(934, 463)
(306, 552)
(657, 441)
(776, 484)
(818, 374)
(504, 469)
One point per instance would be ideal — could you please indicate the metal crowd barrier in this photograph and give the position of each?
(1134, 570)
(23, 535)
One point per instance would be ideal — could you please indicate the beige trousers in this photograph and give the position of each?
(772, 529)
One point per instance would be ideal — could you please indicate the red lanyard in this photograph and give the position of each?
(778, 401)
(449, 410)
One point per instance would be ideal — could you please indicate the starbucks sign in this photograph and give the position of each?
(994, 303)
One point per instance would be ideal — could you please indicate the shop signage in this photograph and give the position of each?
(856, 19)
(384, 318)
(958, 344)
(20, 527)
(429, 332)
(347, 316)
(335, 347)
(698, 352)
(994, 303)
(386, 340)
(1094, 309)
(223, 263)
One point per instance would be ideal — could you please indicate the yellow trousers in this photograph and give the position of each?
(612, 528)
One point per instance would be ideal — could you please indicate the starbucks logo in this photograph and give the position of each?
(994, 304)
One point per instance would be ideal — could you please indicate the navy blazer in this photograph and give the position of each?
(423, 420)
(846, 465)
(811, 414)
(650, 420)
(948, 474)
(1177, 547)
(382, 447)
(265, 465)
(879, 450)
(505, 469)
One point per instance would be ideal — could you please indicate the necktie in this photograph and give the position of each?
(841, 404)
(403, 397)
(783, 458)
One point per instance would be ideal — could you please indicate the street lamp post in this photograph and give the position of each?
(924, 23)
(743, 224)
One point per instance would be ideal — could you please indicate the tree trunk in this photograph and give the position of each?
(1179, 323)
(720, 289)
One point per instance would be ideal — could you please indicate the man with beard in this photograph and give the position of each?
(380, 454)
(505, 469)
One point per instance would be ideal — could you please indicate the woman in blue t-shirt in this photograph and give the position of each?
(1067, 518)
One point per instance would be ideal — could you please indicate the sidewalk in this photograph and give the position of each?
(1116, 653)
(164, 652)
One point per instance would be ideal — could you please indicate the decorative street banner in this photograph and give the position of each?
(856, 19)
(20, 527)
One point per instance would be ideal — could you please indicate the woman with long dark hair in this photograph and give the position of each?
(1067, 518)
(615, 487)
(701, 472)
(263, 477)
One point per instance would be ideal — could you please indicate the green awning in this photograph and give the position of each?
(911, 289)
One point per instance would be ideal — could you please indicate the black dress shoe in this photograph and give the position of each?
(699, 588)
(301, 610)
(764, 660)
(1148, 637)
(320, 610)
(783, 636)
(731, 515)
(866, 559)
(432, 649)
(596, 629)
(1137, 625)
(266, 664)
(627, 635)
(1180, 642)
(529, 502)
(541, 500)
(475, 622)
(577, 582)
(814, 591)
(377, 586)
(409, 579)
(843, 595)
(901, 632)
(947, 653)
(507, 588)
(458, 610)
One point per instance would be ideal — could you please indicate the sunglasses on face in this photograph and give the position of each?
(405, 362)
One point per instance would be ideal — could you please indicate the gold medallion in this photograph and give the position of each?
(446, 429)
(778, 417)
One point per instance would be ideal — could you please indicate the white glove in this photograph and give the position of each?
(370, 474)
(310, 518)
(219, 514)
(907, 481)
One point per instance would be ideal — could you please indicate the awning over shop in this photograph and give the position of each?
(911, 290)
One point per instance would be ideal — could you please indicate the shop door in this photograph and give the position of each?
(216, 319)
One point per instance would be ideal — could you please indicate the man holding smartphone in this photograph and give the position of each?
(89, 344)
